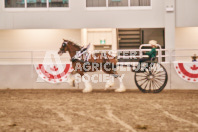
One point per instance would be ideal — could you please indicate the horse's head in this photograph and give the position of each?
(64, 47)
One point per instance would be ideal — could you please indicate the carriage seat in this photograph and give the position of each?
(152, 60)
(143, 69)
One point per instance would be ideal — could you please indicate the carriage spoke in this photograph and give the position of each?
(140, 75)
(160, 79)
(150, 86)
(145, 73)
(161, 75)
(146, 84)
(152, 71)
(154, 85)
(158, 85)
(157, 70)
(160, 72)
(154, 68)
(159, 82)
(143, 82)
(142, 79)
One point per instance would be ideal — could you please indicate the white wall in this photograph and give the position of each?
(95, 35)
(25, 77)
(78, 17)
(33, 40)
(186, 38)
(37, 39)
(186, 13)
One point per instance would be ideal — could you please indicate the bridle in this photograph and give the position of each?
(62, 49)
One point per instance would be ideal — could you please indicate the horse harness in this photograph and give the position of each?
(83, 51)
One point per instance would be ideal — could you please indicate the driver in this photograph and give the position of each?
(151, 54)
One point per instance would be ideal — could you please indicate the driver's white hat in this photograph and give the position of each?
(153, 42)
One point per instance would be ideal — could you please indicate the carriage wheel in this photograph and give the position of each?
(152, 80)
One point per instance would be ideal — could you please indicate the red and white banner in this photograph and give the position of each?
(53, 74)
(187, 70)
(53, 71)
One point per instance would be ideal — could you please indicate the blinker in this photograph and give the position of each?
(64, 44)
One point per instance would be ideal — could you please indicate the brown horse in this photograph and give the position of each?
(95, 62)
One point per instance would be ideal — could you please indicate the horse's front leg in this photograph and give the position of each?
(71, 80)
(86, 79)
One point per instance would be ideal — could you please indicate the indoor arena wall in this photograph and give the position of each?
(25, 77)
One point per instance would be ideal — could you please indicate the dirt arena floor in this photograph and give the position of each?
(99, 111)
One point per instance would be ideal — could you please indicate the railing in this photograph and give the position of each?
(23, 57)
(183, 54)
(31, 57)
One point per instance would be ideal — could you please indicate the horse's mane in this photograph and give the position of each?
(74, 44)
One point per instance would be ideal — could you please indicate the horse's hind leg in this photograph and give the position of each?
(109, 83)
(122, 87)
